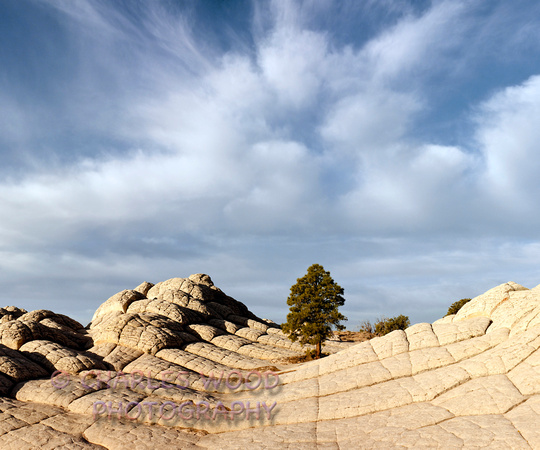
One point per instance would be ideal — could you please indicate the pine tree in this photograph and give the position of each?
(314, 302)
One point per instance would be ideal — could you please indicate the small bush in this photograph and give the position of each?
(385, 325)
(456, 306)
(367, 327)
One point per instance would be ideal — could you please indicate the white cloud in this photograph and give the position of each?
(230, 161)
(368, 122)
(417, 43)
(284, 192)
(508, 136)
(293, 62)
(226, 150)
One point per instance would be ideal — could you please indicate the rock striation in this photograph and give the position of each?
(181, 364)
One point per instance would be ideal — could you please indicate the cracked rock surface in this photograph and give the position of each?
(181, 364)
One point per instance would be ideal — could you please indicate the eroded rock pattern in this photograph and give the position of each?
(180, 364)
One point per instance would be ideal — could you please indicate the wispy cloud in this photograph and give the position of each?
(508, 136)
(164, 153)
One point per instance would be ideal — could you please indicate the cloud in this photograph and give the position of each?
(368, 122)
(173, 154)
(508, 136)
(418, 42)
(293, 63)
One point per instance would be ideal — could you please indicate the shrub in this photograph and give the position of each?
(367, 327)
(456, 306)
(385, 325)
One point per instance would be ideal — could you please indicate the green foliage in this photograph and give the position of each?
(314, 302)
(367, 327)
(385, 325)
(456, 306)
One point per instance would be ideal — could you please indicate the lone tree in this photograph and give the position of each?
(314, 302)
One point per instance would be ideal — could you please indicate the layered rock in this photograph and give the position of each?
(182, 364)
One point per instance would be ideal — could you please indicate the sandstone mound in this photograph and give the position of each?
(183, 365)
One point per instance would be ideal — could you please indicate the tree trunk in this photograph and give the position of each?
(318, 351)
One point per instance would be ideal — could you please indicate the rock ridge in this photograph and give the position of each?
(180, 363)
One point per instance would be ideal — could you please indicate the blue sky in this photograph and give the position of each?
(394, 142)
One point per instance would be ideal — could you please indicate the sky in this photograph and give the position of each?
(396, 143)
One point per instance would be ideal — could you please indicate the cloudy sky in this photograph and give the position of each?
(397, 143)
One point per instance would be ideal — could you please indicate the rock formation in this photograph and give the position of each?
(181, 364)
